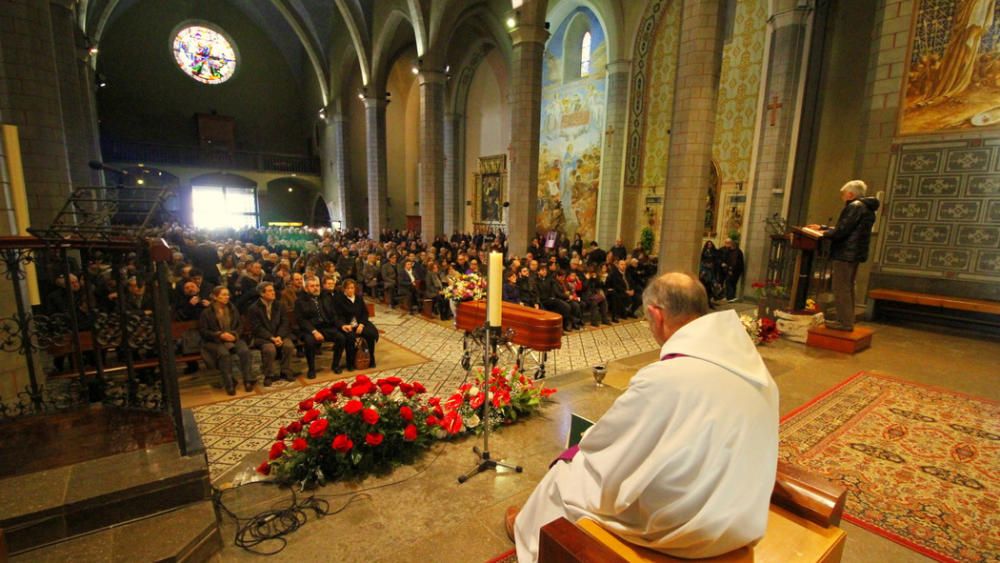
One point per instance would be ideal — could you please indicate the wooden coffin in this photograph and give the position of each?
(536, 329)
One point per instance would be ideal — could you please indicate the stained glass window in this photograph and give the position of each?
(204, 54)
(585, 55)
(219, 207)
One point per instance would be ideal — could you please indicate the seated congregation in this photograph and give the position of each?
(285, 292)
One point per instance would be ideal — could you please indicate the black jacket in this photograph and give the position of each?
(264, 329)
(209, 327)
(548, 288)
(851, 236)
(347, 310)
(315, 313)
(528, 291)
(619, 282)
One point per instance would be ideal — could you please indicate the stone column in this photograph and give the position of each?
(32, 103)
(453, 203)
(526, 113)
(378, 187)
(431, 166)
(616, 114)
(692, 131)
(72, 58)
(788, 30)
(335, 172)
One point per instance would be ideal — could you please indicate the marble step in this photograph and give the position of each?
(46, 506)
(186, 534)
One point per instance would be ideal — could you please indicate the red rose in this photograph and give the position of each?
(281, 434)
(318, 427)
(306, 405)
(374, 439)
(386, 388)
(295, 427)
(264, 468)
(432, 420)
(299, 444)
(342, 443)
(277, 449)
(339, 387)
(434, 401)
(410, 434)
(547, 392)
(360, 389)
(419, 387)
(438, 412)
(406, 389)
(310, 416)
(353, 406)
(362, 379)
(406, 412)
(370, 416)
(323, 395)
(395, 380)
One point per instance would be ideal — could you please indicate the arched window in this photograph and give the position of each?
(585, 55)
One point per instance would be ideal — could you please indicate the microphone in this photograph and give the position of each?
(98, 165)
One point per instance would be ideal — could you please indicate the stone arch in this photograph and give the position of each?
(384, 51)
(319, 216)
(609, 15)
(578, 27)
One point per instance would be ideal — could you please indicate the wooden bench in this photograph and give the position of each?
(941, 309)
(802, 525)
(89, 344)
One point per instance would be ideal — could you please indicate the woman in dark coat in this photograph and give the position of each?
(351, 309)
(220, 327)
(710, 271)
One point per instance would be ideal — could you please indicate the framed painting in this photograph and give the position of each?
(952, 83)
(491, 187)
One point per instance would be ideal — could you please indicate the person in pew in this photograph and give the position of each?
(552, 298)
(318, 323)
(433, 285)
(510, 292)
(390, 278)
(408, 286)
(352, 312)
(271, 334)
(191, 303)
(849, 247)
(684, 461)
(220, 326)
(594, 299)
(527, 288)
(624, 300)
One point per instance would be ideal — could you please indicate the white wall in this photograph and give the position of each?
(487, 125)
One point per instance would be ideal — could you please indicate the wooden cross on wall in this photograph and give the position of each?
(773, 108)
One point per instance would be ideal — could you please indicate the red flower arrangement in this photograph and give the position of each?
(382, 416)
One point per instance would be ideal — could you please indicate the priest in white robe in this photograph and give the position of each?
(684, 461)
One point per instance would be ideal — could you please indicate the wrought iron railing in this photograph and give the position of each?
(186, 155)
(121, 350)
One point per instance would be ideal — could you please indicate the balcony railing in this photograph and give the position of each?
(183, 155)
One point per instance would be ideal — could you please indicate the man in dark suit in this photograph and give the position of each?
(622, 292)
(271, 334)
(408, 286)
(317, 325)
(596, 256)
(553, 298)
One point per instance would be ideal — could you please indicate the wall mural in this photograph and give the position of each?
(954, 78)
(572, 131)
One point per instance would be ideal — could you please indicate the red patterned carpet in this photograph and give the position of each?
(921, 464)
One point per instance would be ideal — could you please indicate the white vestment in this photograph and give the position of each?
(684, 460)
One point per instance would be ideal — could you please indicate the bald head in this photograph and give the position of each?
(671, 301)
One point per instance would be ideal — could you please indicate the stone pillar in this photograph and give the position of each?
(72, 59)
(692, 132)
(788, 31)
(378, 186)
(526, 114)
(431, 165)
(33, 103)
(616, 114)
(335, 173)
(453, 203)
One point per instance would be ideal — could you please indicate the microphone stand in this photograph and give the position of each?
(490, 343)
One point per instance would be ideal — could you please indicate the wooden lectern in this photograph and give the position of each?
(807, 242)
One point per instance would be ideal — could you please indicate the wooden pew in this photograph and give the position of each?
(956, 311)
(801, 526)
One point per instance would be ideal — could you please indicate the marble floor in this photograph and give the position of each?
(421, 513)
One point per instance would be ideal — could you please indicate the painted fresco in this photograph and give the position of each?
(572, 133)
(953, 81)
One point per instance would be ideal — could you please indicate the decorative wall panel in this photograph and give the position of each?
(942, 211)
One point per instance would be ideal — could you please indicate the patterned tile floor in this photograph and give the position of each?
(231, 430)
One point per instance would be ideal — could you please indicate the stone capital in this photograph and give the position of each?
(432, 77)
(620, 66)
(375, 102)
(529, 34)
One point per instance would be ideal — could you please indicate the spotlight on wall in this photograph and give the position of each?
(414, 69)
(92, 50)
(322, 113)
(511, 22)
(140, 181)
(102, 80)
(290, 189)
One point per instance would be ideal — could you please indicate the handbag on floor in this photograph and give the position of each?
(362, 356)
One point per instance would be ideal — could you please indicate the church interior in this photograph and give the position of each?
(152, 145)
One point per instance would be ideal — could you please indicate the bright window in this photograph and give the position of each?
(218, 207)
(585, 55)
(204, 54)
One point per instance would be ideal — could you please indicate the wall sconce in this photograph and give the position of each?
(512, 19)
(416, 204)
(468, 203)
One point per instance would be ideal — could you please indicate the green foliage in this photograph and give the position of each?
(646, 240)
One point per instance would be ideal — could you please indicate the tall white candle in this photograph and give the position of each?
(494, 294)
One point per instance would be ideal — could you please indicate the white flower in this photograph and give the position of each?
(473, 391)
(472, 421)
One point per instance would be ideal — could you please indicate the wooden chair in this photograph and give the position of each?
(802, 525)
